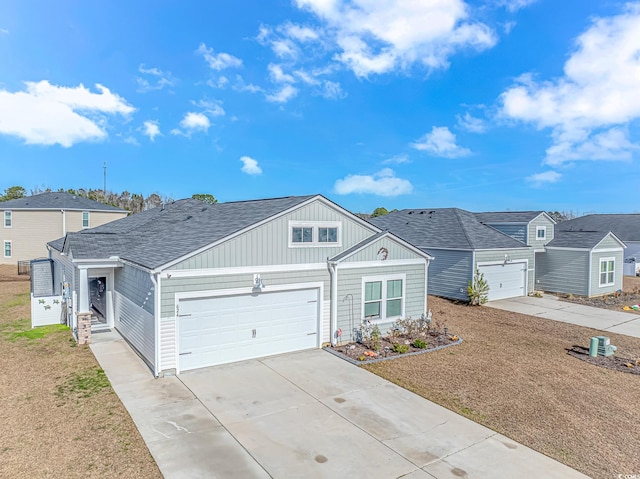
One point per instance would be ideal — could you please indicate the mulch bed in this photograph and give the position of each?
(629, 296)
(361, 353)
(624, 365)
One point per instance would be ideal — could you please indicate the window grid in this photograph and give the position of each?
(8, 219)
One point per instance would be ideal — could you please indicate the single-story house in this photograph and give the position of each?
(584, 263)
(625, 226)
(460, 245)
(191, 284)
(29, 223)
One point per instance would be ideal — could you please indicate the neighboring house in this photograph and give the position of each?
(29, 223)
(625, 226)
(535, 228)
(582, 263)
(460, 245)
(191, 285)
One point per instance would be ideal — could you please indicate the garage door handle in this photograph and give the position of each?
(183, 354)
(311, 334)
(314, 301)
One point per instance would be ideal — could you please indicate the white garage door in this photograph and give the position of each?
(222, 329)
(505, 280)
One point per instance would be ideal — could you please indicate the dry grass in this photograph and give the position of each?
(512, 373)
(59, 415)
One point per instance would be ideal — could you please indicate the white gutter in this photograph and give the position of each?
(64, 222)
(333, 300)
(156, 323)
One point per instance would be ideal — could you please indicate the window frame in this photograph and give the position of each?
(88, 220)
(607, 272)
(8, 214)
(384, 279)
(4, 249)
(315, 234)
(544, 230)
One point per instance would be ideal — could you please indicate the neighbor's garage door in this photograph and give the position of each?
(505, 280)
(222, 329)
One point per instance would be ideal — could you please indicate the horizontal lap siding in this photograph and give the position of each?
(540, 221)
(350, 282)
(563, 271)
(168, 347)
(518, 232)
(596, 289)
(136, 285)
(395, 251)
(449, 273)
(136, 325)
(515, 255)
(269, 244)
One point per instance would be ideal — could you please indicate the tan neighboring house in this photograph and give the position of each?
(29, 223)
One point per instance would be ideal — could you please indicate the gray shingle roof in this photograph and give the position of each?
(492, 217)
(344, 254)
(624, 226)
(56, 201)
(577, 239)
(160, 235)
(450, 228)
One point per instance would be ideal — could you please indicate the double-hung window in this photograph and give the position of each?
(607, 271)
(7, 249)
(8, 219)
(541, 233)
(85, 219)
(383, 298)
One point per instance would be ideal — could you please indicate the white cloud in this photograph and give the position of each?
(211, 107)
(4, 31)
(299, 32)
(284, 48)
(382, 183)
(241, 85)
(471, 123)
(151, 129)
(47, 114)
(397, 160)
(159, 79)
(514, 5)
(219, 61)
(277, 75)
(283, 95)
(250, 166)
(590, 106)
(440, 142)
(379, 37)
(332, 90)
(192, 123)
(539, 179)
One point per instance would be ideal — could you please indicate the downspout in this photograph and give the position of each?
(590, 273)
(155, 279)
(333, 300)
(64, 222)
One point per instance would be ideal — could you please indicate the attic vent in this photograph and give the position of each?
(422, 212)
(410, 212)
(188, 218)
(432, 212)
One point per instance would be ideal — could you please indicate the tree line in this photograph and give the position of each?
(133, 202)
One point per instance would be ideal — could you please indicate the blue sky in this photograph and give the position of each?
(483, 105)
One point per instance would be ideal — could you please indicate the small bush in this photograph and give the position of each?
(420, 344)
(400, 348)
(375, 338)
(478, 289)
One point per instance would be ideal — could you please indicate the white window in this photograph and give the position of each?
(607, 271)
(8, 220)
(383, 298)
(541, 233)
(314, 233)
(85, 219)
(7, 249)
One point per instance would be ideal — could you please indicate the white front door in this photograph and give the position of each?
(222, 329)
(505, 280)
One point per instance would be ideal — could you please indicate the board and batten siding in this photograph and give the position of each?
(350, 283)
(134, 300)
(596, 256)
(563, 271)
(541, 220)
(515, 256)
(517, 231)
(268, 244)
(395, 251)
(449, 273)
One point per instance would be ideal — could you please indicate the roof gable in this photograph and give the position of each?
(625, 226)
(586, 240)
(57, 201)
(497, 217)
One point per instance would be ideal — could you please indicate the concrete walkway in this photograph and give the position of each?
(307, 414)
(551, 307)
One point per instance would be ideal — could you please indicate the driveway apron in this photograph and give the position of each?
(307, 414)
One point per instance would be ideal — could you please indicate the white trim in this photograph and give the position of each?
(96, 263)
(589, 272)
(538, 229)
(383, 299)
(320, 198)
(4, 219)
(382, 264)
(393, 238)
(280, 268)
(70, 209)
(516, 261)
(155, 279)
(566, 248)
(315, 233)
(4, 249)
(216, 293)
(606, 260)
(523, 248)
(88, 219)
(607, 250)
(333, 303)
(543, 250)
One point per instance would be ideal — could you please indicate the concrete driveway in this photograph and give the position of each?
(551, 307)
(307, 414)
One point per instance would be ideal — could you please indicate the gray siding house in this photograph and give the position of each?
(191, 285)
(460, 244)
(625, 226)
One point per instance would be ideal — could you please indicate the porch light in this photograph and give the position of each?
(257, 282)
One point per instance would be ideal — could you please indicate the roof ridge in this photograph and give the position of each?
(463, 226)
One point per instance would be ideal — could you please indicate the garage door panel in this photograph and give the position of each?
(505, 280)
(217, 330)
